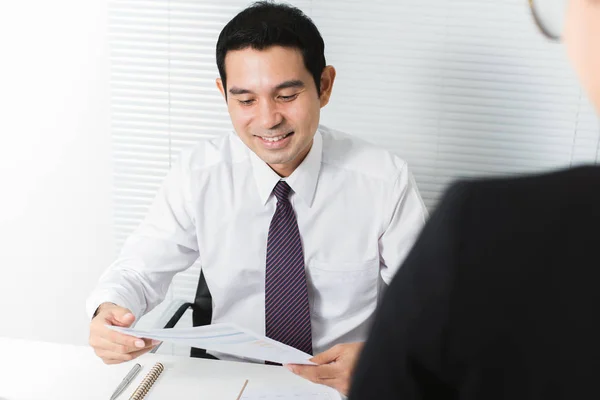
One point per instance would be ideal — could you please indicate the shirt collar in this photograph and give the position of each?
(303, 180)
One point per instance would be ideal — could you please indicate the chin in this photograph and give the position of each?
(280, 156)
(276, 160)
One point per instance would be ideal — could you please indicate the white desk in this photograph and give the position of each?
(37, 370)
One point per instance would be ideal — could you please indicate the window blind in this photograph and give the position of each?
(457, 88)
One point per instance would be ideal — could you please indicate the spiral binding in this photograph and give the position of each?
(147, 383)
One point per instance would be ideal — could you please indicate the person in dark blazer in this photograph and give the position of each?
(500, 296)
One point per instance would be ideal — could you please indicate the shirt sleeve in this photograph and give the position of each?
(405, 356)
(163, 245)
(407, 218)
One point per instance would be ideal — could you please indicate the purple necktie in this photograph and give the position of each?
(287, 312)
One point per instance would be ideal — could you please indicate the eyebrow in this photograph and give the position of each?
(290, 84)
(284, 85)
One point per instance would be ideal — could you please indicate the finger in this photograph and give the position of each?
(121, 317)
(315, 373)
(126, 340)
(328, 356)
(99, 329)
(100, 343)
(119, 348)
(116, 315)
(333, 375)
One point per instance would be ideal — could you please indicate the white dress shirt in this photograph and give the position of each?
(358, 213)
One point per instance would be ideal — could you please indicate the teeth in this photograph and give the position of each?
(276, 139)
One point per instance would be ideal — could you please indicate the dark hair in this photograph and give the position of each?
(265, 24)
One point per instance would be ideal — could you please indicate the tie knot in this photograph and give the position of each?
(282, 191)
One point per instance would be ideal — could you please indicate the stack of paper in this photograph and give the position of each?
(290, 394)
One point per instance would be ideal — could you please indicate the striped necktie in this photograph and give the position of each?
(287, 312)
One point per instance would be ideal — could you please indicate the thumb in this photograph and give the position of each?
(122, 317)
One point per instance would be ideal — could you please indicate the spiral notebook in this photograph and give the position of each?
(146, 384)
(259, 392)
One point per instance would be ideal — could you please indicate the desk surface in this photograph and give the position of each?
(38, 370)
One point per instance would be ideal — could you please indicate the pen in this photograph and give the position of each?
(126, 381)
(242, 391)
(129, 377)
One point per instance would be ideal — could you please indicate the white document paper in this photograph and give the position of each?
(288, 394)
(225, 338)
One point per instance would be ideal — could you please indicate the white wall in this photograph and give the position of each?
(55, 170)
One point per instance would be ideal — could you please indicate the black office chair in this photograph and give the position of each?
(201, 314)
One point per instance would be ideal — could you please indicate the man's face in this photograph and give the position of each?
(582, 37)
(273, 103)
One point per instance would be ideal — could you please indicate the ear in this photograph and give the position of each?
(327, 78)
(219, 83)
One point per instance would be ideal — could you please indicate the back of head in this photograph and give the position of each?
(266, 24)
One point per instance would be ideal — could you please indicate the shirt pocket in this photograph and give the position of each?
(341, 290)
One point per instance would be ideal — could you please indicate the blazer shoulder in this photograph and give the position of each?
(550, 187)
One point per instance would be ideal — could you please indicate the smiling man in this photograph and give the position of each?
(297, 227)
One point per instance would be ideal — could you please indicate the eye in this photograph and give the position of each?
(289, 98)
(246, 102)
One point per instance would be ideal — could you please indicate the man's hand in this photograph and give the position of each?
(335, 366)
(114, 347)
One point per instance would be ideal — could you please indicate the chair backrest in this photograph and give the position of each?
(202, 313)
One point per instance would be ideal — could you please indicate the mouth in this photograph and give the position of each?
(275, 139)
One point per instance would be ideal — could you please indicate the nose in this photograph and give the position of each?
(270, 117)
